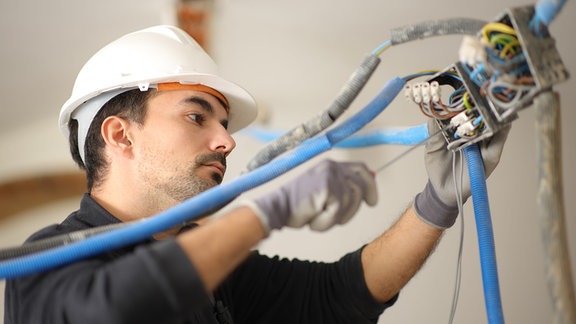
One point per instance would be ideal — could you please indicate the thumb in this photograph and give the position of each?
(366, 181)
(492, 150)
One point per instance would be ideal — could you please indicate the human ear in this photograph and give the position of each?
(115, 132)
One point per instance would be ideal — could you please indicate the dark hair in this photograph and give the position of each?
(130, 105)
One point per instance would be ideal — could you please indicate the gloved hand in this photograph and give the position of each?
(437, 204)
(327, 194)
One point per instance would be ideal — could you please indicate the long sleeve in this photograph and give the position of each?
(154, 284)
(273, 290)
(151, 282)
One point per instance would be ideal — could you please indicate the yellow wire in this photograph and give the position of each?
(383, 48)
(466, 102)
(503, 39)
(508, 44)
(510, 48)
(427, 71)
(496, 27)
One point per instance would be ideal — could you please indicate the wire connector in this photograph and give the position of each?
(472, 51)
(435, 91)
(460, 119)
(466, 129)
(423, 92)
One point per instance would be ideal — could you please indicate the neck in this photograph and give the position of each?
(128, 200)
(127, 210)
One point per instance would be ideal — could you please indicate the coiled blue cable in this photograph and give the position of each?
(485, 234)
(205, 201)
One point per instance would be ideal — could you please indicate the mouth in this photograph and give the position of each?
(217, 167)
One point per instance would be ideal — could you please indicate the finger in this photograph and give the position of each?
(354, 199)
(327, 218)
(307, 208)
(436, 144)
(492, 150)
(364, 179)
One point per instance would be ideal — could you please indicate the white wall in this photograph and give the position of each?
(295, 55)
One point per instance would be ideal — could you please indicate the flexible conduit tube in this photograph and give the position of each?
(55, 241)
(546, 10)
(204, 201)
(399, 136)
(551, 208)
(485, 235)
(463, 26)
(394, 135)
(312, 127)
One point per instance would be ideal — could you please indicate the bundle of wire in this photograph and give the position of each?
(459, 106)
(504, 78)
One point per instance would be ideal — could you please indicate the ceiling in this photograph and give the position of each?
(45, 43)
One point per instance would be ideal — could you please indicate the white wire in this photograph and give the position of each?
(457, 143)
(520, 92)
(457, 182)
(458, 189)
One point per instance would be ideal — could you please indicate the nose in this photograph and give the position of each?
(222, 141)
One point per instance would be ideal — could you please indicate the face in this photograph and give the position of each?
(182, 146)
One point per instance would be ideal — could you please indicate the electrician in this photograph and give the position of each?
(149, 120)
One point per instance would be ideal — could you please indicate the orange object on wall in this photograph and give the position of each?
(193, 17)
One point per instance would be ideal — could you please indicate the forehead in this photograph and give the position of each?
(188, 98)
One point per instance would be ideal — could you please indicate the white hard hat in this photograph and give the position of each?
(143, 59)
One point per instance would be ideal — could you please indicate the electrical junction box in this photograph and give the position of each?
(491, 122)
(542, 58)
(508, 83)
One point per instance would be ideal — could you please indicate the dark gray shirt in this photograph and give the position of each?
(153, 282)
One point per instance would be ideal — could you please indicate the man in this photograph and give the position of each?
(150, 121)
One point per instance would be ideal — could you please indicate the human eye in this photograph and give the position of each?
(197, 118)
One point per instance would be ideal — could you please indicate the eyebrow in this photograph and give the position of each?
(207, 107)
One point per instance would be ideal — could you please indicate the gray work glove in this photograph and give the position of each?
(329, 193)
(437, 204)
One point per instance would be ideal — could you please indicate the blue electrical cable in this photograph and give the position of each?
(485, 234)
(396, 135)
(382, 47)
(546, 10)
(207, 200)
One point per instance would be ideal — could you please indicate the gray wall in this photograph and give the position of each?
(294, 56)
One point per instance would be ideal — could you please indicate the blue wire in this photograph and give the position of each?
(457, 92)
(381, 48)
(477, 121)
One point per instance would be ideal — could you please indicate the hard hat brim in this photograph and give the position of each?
(243, 109)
